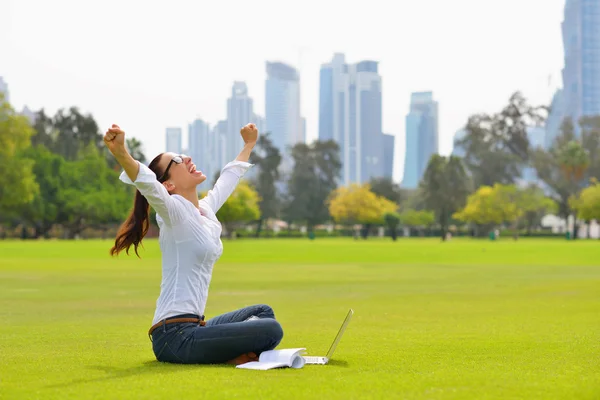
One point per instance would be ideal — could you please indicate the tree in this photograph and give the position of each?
(492, 206)
(587, 203)
(43, 211)
(590, 140)
(485, 208)
(92, 195)
(445, 187)
(74, 132)
(385, 187)
(392, 220)
(357, 204)
(417, 219)
(564, 166)
(496, 146)
(317, 170)
(45, 133)
(136, 149)
(241, 206)
(17, 181)
(267, 159)
(535, 204)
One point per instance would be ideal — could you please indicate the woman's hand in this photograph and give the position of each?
(249, 134)
(114, 138)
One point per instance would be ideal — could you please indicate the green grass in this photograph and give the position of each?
(458, 320)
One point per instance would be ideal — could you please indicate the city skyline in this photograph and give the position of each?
(580, 92)
(350, 113)
(422, 137)
(162, 83)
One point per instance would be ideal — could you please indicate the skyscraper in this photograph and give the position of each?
(350, 114)
(580, 95)
(389, 142)
(555, 118)
(421, 137)
(260, 123)
(220, 134)
(4, 90)
(456, 150)
(282, 108)
(202, 148)
(537, 138)
(173, 140)
(239, 113)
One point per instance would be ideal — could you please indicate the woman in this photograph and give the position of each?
(190, 244)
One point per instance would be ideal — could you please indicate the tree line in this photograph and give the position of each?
(57, 173)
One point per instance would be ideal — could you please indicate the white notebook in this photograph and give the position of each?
(286, 358)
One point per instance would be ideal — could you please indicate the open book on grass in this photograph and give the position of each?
(286, 358)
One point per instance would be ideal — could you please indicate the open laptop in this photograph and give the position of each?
(324, 360)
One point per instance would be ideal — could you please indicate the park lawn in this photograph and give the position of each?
(466, 319)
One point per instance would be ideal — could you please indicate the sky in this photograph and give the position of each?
(147, 65)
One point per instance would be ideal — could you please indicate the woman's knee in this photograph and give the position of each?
(274, 331)
(265, 311)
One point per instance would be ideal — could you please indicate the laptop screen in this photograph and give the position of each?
(340, 333)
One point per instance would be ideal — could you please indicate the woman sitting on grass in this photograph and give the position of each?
(190, 244)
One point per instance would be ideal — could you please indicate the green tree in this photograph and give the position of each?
(486, 209)
(267, 159)
(535, 204)
(491, 206)
(385, 187)
(496, 146)
(92, 194)
(315, 176)
(444, 187)
(74, 132)
(136, 149)
(587, 203)
(17, 181)
(241, 206)
(42, 213)
(590, 140)
(563, 167)
(417, 218)
(392, 220)
(357, 204)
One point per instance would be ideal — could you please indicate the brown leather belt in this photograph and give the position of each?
(199, 321)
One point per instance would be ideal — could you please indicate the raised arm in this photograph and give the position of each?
(232, 172)
(142, 177)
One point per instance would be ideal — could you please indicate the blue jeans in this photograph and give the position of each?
(222, 339)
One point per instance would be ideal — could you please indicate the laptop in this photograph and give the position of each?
(320, 360)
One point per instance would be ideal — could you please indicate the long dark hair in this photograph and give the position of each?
(135, 227)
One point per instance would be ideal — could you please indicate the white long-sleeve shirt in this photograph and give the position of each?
(190, 239)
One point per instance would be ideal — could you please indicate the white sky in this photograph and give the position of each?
(147, 65)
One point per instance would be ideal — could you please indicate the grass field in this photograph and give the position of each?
(458, 320)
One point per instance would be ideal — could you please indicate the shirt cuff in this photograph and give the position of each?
(237, 167)
(145, 174)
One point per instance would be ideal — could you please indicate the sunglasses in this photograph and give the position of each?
(177, 160)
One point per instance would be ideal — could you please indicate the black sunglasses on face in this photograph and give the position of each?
(177, 160)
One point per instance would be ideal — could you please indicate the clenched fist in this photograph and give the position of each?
(114, 139)
(249, 134)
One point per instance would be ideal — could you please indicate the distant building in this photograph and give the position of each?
(555, 119)
(389, 142)
(580, 95)
(350, 113)
(421, 137)
(239, 113)
(282, 108)
(173, 140)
